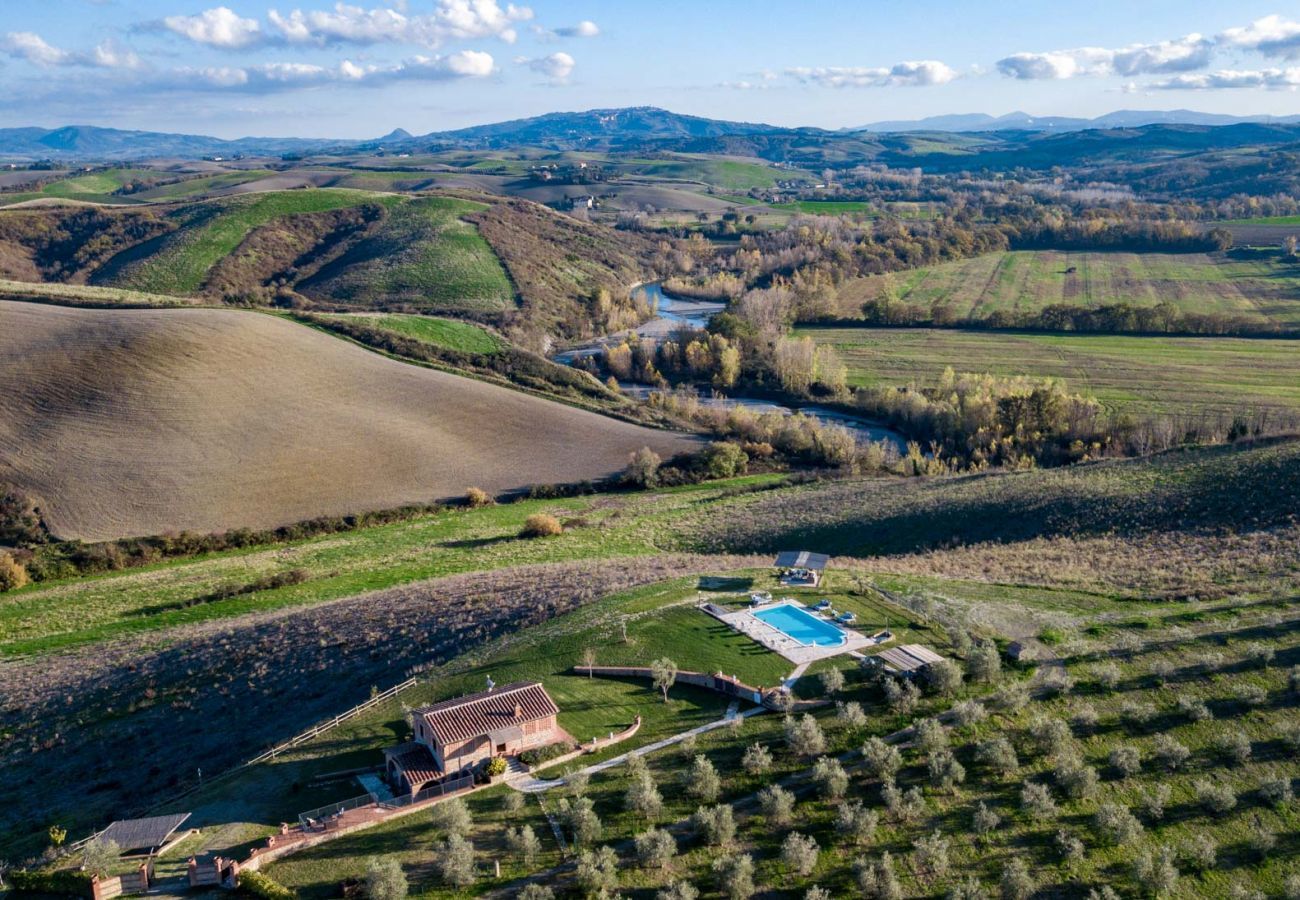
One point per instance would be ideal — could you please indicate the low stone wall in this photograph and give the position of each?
(729, 685)
(592, 746)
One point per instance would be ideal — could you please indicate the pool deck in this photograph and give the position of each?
(778, 641)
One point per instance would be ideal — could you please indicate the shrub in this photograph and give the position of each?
(523, 841)
(538, 755)
(99, 856)
(1277, 792)
(643, 468)
(878, 881)
(1158, 873)
(1077, 779)
(477, 497)
(1117, 824)
(945, 772)
(1085, 719)
(757, 759)
(804, 736)
(452, 816)
(678, 890)
(930, 737)
(882, 760)
(984, 821)
(536, 892)
(63, 881)
(1234, 747)
(1194, 708)
(777, 805)
(799, 853)
(1154, 801)
(832, 682)
(1216, 798)
(385, 880)
(1201, 852)
(702, 781)
(831, 779)
(1052, 736)
(598, 870)
(259, 884)
(454, 860)
(930, 854)
(715, 824)
(1036, 800)
(969, 712)
(855, 823)
(13, 574)
(1170, 752)
(735, 876)
(1126, 760)
(725, 460)
(541, 525)
(998, 756)
(850, 716)
(1016, 883)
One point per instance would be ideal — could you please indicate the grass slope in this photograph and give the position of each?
(1136, 374)
(449, 334)
(138, 422)
(179, 262)
(422, 254)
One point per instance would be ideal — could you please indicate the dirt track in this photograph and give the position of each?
(132, 422)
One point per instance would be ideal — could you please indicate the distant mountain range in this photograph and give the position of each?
(1020, 121)
(635, 128)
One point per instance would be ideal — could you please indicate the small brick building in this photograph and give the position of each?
(456, 735)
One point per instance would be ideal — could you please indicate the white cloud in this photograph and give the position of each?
(1226, 79)
(584, 29)
(111, 55)
(282, 76)
(1181, 55)
(32, 47)
(557, 66)
(450, 20)
(218, 27)
(1271, 35)
(909, 74)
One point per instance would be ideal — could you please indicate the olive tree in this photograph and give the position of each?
(799, 853)
(385, 879)
(663, 674)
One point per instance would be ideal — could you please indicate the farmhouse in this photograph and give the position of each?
(800, 567)
(909, 660)
(456, 735)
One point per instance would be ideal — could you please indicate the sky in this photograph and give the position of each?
(319, 68)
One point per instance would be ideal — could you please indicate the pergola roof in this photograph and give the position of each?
(801, 559)
(909, 657)
(143, 834)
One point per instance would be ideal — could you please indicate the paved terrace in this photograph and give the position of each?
(778, 641)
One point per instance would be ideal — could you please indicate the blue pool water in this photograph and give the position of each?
(801, 625)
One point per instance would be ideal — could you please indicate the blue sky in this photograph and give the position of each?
(361, 68)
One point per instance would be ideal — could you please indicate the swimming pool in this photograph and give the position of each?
(796, 622)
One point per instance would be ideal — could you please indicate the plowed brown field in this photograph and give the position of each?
(133, 422)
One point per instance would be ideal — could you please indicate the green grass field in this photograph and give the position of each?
(215, 229)
(1262, 288)
(424, 254)
(447, 333)
(1139, 375)
(724, 174)
(1264, 220)
(195, 187)
(828, 207)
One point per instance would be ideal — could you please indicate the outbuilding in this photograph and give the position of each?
(801, 568)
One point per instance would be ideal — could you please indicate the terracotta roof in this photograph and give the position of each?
(415, 762)
(479, 714)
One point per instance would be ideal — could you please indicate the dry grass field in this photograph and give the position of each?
(132, 422)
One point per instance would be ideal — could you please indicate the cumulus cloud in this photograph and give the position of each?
(1184, 54)
(450, 20)
(909, 74)
(584, 29)
(1271, 35)
(218, 27)
(557, 66)
(280, 76)
(1227, 79)
(34, 49)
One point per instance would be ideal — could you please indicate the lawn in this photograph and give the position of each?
(213, 230)
(450, 334)
(1262, 287)
(1134, 374)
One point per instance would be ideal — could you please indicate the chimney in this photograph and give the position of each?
(519, 711)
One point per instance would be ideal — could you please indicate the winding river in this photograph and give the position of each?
(677, 312)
